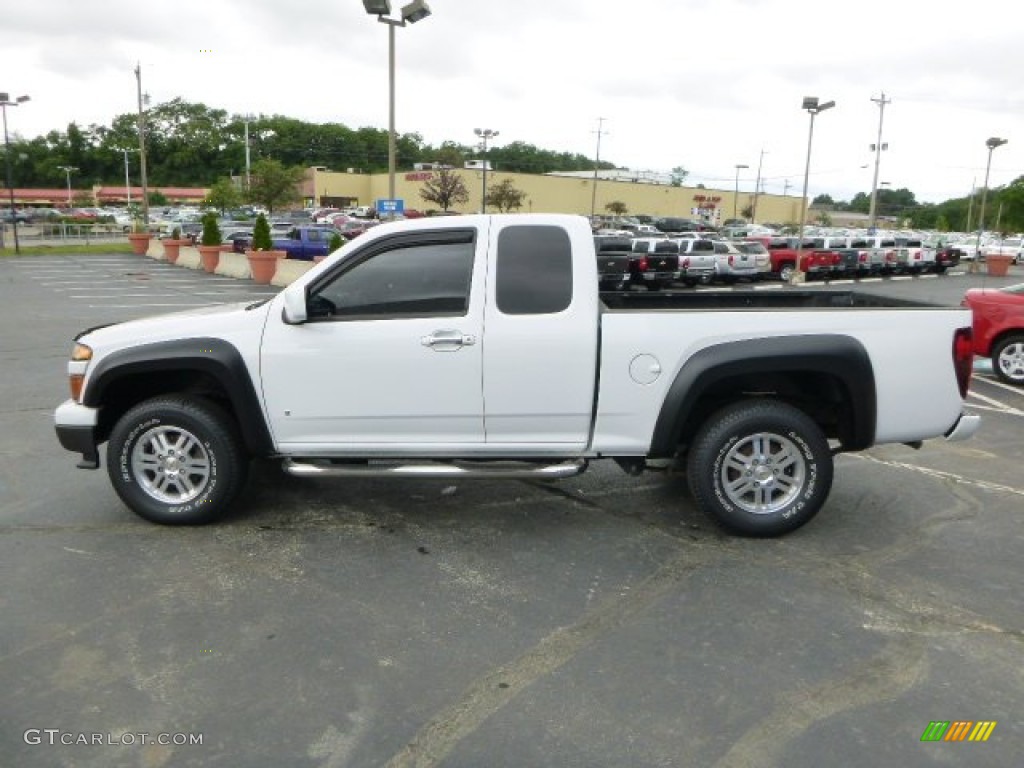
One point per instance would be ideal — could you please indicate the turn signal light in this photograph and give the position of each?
(76, 380)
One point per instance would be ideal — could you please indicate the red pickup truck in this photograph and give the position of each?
(820, 262)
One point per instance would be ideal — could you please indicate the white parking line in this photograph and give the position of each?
(926, 277)
(902, 277)
(129, 296)
(146, 304)
(871, 280)
(1001, 407)
(937, 473)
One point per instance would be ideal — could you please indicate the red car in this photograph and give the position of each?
(998, 319)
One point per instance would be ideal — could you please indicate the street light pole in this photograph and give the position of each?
(484, 134)
(5, 102)
(991, 144)
(411, 13)
(813, 108)
(68, 170)
(127, 179)
(736, 190)
(247, 119)
(142, 148)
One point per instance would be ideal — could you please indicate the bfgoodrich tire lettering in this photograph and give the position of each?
(176, 460)
(760, 467)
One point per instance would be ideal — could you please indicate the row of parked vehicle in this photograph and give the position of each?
(695, 259)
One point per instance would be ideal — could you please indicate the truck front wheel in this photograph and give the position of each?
(760, 467)
(176, 460)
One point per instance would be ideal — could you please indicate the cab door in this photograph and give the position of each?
(390, 358)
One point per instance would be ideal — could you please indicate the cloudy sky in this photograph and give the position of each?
(702, 84)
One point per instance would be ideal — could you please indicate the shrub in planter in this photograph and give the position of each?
(261, 240)
(139, 238)
(335, 244)
(209, 243)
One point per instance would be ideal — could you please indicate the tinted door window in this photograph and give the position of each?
(534, 274)
(407, 281)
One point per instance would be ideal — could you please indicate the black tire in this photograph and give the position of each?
(1008, 359)
(153, 484)
(783, 453)
(786, 272)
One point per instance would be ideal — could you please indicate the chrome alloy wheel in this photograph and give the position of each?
(1011, 361)
(170, 464)
(763, 472)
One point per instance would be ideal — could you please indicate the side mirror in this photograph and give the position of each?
(294, 312)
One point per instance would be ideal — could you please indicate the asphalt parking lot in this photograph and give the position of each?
(597, 621)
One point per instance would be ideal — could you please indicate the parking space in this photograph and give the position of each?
(597, 621)
(124, 282)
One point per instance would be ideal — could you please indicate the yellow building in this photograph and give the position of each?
(551, 194)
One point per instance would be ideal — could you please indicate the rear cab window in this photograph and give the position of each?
(534, 270)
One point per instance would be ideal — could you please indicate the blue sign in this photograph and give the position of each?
(390, 207)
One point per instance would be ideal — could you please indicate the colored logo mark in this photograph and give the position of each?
(958, 730)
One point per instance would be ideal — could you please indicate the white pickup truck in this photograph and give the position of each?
(480, 346)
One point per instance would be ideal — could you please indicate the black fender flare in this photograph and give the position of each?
(215, 357)
(838, 356)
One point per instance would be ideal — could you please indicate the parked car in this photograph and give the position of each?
(1012, 247)
(760, 254)
(655, 262)
(814, 262)
(998, 321)
(731, 263)
(696, 260)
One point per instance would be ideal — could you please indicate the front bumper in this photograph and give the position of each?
(964, 428)
(76, 431)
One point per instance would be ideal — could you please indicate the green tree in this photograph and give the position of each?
(616, 208)
(223, 195)
(678, 176)
(823, 200)
(445, 188)
(506, 197)
(274, 185)
(156, 197)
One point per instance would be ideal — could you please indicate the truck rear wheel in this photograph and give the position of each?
(760, 467)
(176, 460)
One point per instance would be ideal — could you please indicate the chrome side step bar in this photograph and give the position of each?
(446, 469)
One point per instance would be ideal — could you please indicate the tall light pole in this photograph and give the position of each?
(970, 204)
(68, 170)
(991, 144)
(814, 108)
(248, 179)
(597, 162)
(484, 134)
(142, 147)
(127, 178)
(5, 102)
(736, 190)
(877, 148)
(411, 13)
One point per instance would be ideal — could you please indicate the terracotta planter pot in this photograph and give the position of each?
(210, 256)
(139, 242)
(998, 266)
(171, 249)
(263, 265)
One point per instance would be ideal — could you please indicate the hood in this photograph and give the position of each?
(226, 321)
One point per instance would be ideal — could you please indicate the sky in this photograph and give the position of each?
(702, 84)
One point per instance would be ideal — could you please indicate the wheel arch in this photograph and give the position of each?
(205, 367)
(830, 377)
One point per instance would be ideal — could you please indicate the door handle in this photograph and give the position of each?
(447, 340)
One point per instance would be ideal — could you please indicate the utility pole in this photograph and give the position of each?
(597, 161)
(757, 190)
(970, 203)
(785, 187)
(877, 147)
(142, 148)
